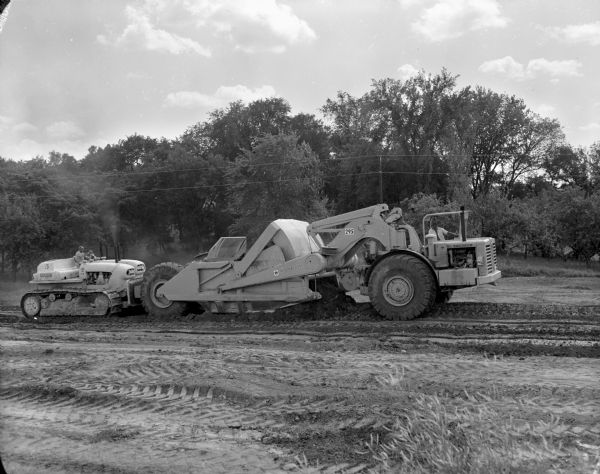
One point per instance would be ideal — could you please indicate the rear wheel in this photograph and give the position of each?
(156, 304)
(402, 287)
(31, 305)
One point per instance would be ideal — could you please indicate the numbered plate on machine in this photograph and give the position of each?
(349, 231)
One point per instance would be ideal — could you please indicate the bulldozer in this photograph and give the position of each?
(370, 252)
(94, 287)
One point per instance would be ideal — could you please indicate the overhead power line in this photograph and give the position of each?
(229, 185)
(228, 166)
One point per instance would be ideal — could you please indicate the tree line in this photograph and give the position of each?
(422, 143)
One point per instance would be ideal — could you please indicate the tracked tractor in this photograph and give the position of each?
(97, 287)
(370, 252)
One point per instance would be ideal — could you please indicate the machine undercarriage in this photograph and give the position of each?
(93, 288)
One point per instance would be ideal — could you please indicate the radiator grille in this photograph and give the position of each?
(490, 257)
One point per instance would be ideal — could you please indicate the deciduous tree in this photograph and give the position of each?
(277, 178)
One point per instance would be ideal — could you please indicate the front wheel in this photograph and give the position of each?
(31, 305)
(154, 303)
(402, 287)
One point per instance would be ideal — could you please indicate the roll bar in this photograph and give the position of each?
(463, 221)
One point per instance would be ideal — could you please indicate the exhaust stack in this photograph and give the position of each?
(463, 227)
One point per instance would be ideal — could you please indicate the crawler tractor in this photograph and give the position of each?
(93, 288)
(369, 251)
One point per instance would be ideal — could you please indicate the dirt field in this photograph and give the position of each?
(535, 290)
(501, 379)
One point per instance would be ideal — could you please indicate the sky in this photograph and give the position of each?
(82, 73)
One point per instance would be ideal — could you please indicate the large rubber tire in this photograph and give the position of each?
(31, 305)
(161, 307)
(402, 287)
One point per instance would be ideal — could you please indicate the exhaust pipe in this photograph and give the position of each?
(463, 227)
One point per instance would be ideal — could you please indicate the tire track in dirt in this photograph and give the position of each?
(315, 371)
(494, 312)
(161, 450)
(343, 312)
(175, 411)
(580, 340)
(280, 365)
(188, 388)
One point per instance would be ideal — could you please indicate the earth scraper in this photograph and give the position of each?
(371, 253)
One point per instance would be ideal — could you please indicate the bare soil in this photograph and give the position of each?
(569, 291)
(305, 390)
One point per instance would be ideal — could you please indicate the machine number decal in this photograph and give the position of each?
(349, 231)
(275, 273)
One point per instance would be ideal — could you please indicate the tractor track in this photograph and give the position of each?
(501, 328)
(583, 343)
(475, 313)
(345, 309)
(209, 393)
(249, 395)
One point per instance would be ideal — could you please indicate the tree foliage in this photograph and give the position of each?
(277, 178)
(422, 143)
(504, 140)
(21, 232)
(577, 216)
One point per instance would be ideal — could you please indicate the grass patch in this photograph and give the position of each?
(457, 433)
(468, 434)
(513, 266)
(431, 438)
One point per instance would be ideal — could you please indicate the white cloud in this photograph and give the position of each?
(590, 127)
(23, 140)
(448, 19)
(507, 66)
(569, 67)
(5, 122)
(64, 131)
(190, 100)
(546, 110)
(184, 25)
(134, 76)
(27, 148)
(24, 128)
(409, 3)
(253, 25)
(583, 33)
(223, 96)
(140, 32)
(535, 68)
(407, 71)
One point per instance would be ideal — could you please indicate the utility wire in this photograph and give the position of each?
(233, 186)
(228, 166)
